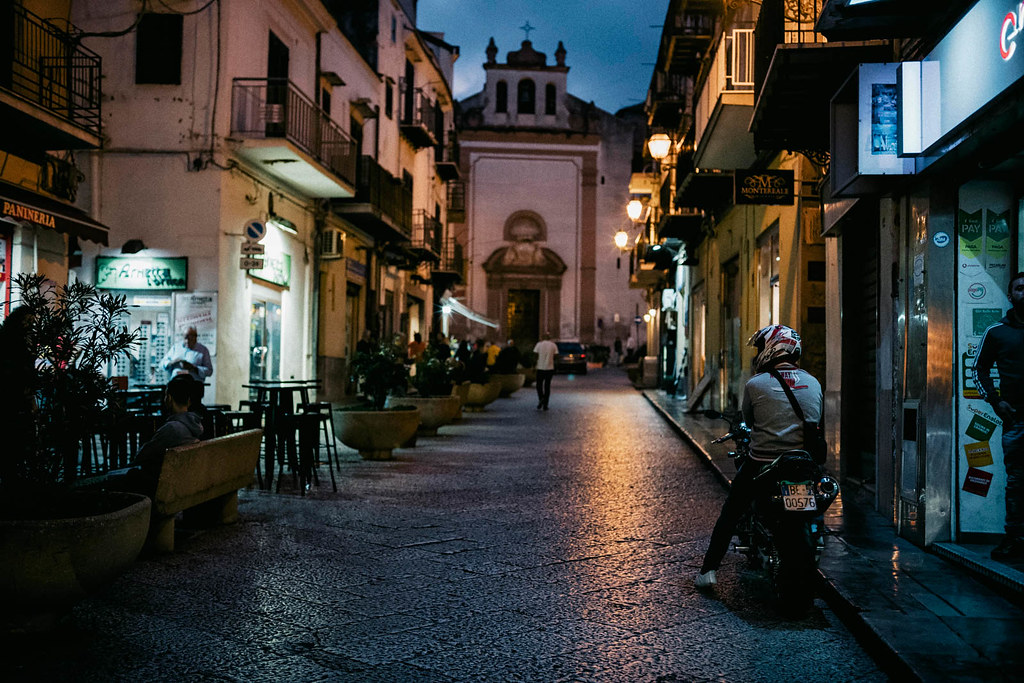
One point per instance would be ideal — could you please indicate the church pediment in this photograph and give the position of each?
(526, 258)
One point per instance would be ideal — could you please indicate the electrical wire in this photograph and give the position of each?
(186, 14)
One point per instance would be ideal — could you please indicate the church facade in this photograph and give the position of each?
(544, 173)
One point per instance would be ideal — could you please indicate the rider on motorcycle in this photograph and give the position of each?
(774, 426)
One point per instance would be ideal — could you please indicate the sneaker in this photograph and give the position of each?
(706, 579)
(1010, 547)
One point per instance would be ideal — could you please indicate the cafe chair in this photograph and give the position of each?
(323, 410)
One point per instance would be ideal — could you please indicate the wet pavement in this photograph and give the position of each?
(948, 615)
(515, 546)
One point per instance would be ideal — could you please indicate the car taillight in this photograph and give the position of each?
(583, 355)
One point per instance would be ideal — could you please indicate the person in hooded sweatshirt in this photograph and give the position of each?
(182, 427)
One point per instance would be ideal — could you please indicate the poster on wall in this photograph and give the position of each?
(983, 264)
(199, 310)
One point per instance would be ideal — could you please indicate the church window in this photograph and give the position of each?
(502, 97)
(549, 99)
(527, 97)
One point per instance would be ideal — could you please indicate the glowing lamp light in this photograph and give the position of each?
(634, 209)
(446, 310)
(647, 317)
(621, 239)
(659, 145)
(653, 312)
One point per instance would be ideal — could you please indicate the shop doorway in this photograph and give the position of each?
(265, 341)
(732, 370)
(522, 316)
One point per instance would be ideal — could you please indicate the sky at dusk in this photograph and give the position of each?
(610, 44)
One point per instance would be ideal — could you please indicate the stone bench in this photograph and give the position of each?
(202, 480)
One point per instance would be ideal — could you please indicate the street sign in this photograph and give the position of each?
(252, 247)
(637, 320)
(254, 230)
(250, 263)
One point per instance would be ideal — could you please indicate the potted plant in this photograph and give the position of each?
(371, 428)
(433, 382)
(506, 370)
(58, 544)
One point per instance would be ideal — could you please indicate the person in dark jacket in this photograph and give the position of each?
(1002, 345)
(182, 427)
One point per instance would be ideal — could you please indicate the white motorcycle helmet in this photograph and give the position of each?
(774, 344)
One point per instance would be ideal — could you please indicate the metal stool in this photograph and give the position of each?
(323, 409)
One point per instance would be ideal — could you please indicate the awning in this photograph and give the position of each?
(462, 310)
(20, 204)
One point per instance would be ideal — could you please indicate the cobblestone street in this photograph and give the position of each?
(515, 546)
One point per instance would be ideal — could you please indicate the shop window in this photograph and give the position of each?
(501, 97)
(815, 271)
(158, 49)
(549, 99)
(526, 101)
(768, 277)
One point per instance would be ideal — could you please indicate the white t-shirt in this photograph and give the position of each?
(545, 350)
(774, 425)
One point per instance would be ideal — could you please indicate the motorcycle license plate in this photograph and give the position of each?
(798, 498)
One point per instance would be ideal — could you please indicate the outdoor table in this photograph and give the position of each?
(280, 427)
(144, 399)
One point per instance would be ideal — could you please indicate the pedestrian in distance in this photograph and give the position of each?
(492, 354)
(1002, 345)
(464, 353)
(508, 359)
(545, 350)
(774, 429)
(416, 348)
(477, 366)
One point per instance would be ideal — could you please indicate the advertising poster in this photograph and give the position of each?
(199, 310)
(983, 264)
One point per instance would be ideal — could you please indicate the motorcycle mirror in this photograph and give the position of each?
(713, 414)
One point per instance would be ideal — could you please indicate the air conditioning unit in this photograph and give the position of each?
(332, 243)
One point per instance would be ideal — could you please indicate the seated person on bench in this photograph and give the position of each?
(182, 427)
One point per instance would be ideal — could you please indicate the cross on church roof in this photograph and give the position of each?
(527, 28)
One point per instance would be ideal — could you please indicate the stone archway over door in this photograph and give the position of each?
(522, 272)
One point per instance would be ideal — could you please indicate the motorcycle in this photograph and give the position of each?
(783, 531)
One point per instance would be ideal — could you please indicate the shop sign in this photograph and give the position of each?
(26, 213)
(355, 269)
(977, 60)
(764, 187)
(277, 269)
(119, 272)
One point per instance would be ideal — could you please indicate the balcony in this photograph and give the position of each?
(451, 267)
(446, 157)
(456, 201)
(797, 75)
(724, 102)
(287, 135)
(50, 89)
(688, 36)
(427, 236)
(418, 120)
(382, 205)
(668, 100)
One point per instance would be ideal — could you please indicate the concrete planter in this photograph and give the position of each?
(480, 395)
(510, 383)
(530, 375)
(375, 433)
(434, 411)
(461, 391)
(47, 565)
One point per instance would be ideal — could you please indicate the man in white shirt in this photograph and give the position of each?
(190, 358)
(545, 350)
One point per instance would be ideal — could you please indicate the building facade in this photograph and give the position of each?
(269, 176)
(545, 176)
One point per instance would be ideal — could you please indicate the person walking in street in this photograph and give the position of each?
(190, 358)
(545, 350)
(1003, 345)
(775, 428)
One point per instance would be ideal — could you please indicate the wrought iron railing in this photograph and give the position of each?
(789, 22)
(451, 258)
(276, 108)
(456, 201)
(427, 232)
(384, 193)
(448, 151)
(417, 109)
(47, 67)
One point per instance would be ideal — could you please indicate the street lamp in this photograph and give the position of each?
(659, 146)
(622, 240)
(634, 209)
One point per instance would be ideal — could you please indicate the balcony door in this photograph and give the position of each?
(277, 87)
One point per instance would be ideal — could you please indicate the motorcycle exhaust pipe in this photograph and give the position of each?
(828, 488)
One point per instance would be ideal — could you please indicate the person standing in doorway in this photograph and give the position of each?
(193, 359)
(1003, 345)
(545, 350)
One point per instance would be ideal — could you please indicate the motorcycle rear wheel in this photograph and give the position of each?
(793, 570)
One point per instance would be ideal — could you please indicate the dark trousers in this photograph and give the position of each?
(544, 386)
(741, 495)
(1013, 460)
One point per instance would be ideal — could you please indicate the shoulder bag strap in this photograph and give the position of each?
(789, 394)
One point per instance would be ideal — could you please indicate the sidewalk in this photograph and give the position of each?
(924, 615)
